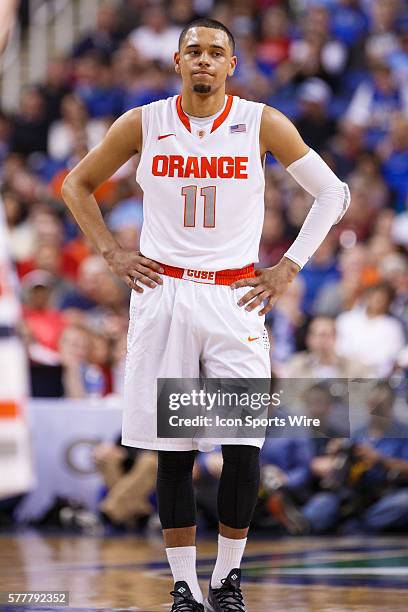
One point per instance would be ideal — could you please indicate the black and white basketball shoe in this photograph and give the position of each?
(229, 597)
(184, 600)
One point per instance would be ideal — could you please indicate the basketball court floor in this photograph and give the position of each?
(333, 574)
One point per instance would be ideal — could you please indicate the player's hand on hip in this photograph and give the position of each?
(133, 268)
(269, 284)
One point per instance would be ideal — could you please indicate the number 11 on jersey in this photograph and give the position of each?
(190, 205)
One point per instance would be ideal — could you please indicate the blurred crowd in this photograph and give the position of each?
(313, 483)
(337, 68)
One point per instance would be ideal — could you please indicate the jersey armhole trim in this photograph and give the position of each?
(261, 160)
(145, 127)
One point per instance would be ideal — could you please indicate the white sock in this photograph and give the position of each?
(229, 557)
(182, 561)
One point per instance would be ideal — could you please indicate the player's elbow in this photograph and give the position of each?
(336, 195)
(72, 186)
(344, 200)
(67, 189)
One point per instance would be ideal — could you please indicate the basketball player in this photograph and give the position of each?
(201, 170)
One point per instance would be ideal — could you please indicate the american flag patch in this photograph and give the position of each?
(239, 127)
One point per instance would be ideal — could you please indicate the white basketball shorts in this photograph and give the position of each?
(182, 329)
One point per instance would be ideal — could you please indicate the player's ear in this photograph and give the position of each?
(232, 66)
(176, 60)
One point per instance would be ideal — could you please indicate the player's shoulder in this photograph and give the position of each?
(160, 105)
(248, 104)
(273, 116)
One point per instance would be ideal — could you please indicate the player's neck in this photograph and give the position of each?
(198, 105)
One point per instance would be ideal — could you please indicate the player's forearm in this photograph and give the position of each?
(7, 16)
(332, 200)
(87, 214)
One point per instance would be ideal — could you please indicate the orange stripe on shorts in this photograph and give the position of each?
(9, 410)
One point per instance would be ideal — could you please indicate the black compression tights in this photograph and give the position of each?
(237, 492)
(175, 492)
(239, 485)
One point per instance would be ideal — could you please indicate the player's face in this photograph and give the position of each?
(205, 60)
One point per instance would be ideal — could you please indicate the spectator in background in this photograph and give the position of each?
(273, 47)
(275, 241)
(383, 446)
(129, 15)
(30, 125)
(57, 84)
(291, 458)
(321, 510)
(319, 272)
(316, 53)
(393, 269)
(369, 333)
(85, 296)
(313, 122)
(367, 172)
(182, 12)
(382, 39)
(376, 498)
(74, 124)
(96, 86)
(346, 147)
(20, 231)
(146, 85)
(320, 359)
(374, 102)
(362, 215)
(49, 257)
(393, 152)
(118, 359)
(398, 59)
(80, 377)
(342, 295)
(349, 23)
(46, 230)
(130, 480)
(285, 482)
(125, 221)
(5, 134)
(155, 38)
(42, 329)
(106, 36)
(249, 80)
(286, 322)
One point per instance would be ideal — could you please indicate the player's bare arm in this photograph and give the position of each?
(280, 137)
(123, 141)
(7, 16)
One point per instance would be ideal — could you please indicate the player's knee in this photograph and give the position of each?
(242, 459)
(239, 485)
(175, 465)
(175, 489)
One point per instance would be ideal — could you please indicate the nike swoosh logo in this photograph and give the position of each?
(252, 339)
(164, 136)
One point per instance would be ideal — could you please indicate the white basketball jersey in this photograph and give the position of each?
(203, 190)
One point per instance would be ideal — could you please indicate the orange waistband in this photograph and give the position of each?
(222, 277)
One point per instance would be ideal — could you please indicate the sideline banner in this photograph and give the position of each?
(16, 474)
(64, 434)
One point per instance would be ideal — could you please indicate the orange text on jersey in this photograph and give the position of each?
(200, 167)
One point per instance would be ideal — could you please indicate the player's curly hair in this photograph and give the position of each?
(204, 22)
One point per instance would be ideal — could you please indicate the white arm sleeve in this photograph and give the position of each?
(332, 201)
